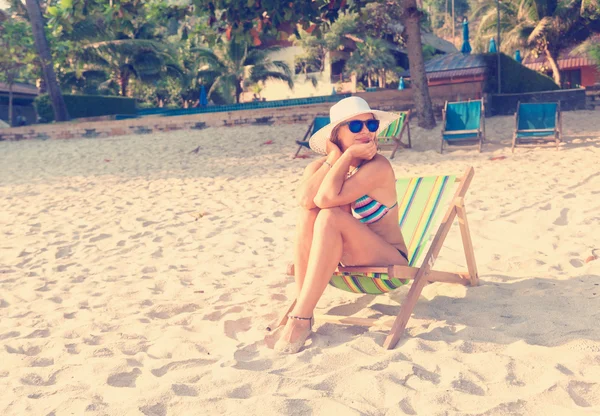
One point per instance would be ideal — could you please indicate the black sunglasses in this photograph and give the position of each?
(355, 126)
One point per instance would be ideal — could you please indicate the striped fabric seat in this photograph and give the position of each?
(387, 136)
(420, 201)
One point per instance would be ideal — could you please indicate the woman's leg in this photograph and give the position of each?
(304, 237)
(337, 235)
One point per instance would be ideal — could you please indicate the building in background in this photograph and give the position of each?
(577, 70)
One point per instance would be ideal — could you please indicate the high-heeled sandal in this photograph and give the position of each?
(288, 347)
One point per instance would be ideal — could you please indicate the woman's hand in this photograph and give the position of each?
(366, 151)
(331, 147)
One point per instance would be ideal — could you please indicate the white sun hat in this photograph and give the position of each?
(342, 111)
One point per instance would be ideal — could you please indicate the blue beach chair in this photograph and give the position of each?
(463, 122)
(537, 122)
(317, 124)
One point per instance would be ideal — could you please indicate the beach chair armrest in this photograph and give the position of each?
(461, 131)
(536, 130)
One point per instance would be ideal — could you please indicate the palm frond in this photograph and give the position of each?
(263, 75)
(540, 30)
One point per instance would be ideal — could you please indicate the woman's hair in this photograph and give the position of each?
(334, 135)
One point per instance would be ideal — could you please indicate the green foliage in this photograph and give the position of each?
(17, 54)
(228, 65)
(270, 16)
(440, 13)
(86, 106)
(594, 53)
(515, 77)
(370, 58)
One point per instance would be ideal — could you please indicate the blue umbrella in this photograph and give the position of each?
(401, 83)
(518, 56)
(493, 46)
(333, 92)
(466, 46)
(203, 99)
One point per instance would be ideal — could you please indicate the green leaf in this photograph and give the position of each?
(53, 11)
(66, 4)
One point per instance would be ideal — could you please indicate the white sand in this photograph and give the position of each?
(114, 300)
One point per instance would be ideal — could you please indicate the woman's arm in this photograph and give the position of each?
(337, 191)
(313, 178)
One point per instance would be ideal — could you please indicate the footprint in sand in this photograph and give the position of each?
(180, 365)
(169, 311)
(562, 220)
(468, 387)
(232, 328)
(124, 379)
(576, 263)
(184, 390)
(158, 409)
(42, 362)
(100, 237)
(584, 394)
(10, 334)
(33, 379)
(29, 351)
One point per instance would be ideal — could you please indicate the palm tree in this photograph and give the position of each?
(146, 60)
(371, 58)
(542, 26)
(43, 50)
(234, 61)
(411, 18)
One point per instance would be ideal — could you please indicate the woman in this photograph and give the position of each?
(348, 211)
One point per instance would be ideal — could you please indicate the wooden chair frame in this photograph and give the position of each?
(420, 275)
(480, 131)
(555, 134)
(398, 138)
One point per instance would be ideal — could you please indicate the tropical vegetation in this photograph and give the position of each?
(163, 52)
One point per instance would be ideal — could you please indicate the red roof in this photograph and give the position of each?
(566, 60)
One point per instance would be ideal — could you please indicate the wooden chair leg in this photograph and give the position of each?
(395, 148)
(284, 317)
(406, 309)
(514, 143)
(461, 213)
(408, 133)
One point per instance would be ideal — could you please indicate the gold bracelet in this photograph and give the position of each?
(328, 164)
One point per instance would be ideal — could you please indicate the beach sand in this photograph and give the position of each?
(138, 277)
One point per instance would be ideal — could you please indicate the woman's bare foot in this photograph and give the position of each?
(294, 335)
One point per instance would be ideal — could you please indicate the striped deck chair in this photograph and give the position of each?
(392, 135)
(420, 201)
(317, 124)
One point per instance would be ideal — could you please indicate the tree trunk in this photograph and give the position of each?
(238, 90)
(43, 50)
(124, 82)
(411, 18)
(10, 102)
(369, 80)
(555, 70)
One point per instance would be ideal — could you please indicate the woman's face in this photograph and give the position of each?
(345, 138)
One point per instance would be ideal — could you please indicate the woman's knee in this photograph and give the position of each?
(306, 215)
(328, 217)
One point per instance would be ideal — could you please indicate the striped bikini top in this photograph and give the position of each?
(366, 209)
